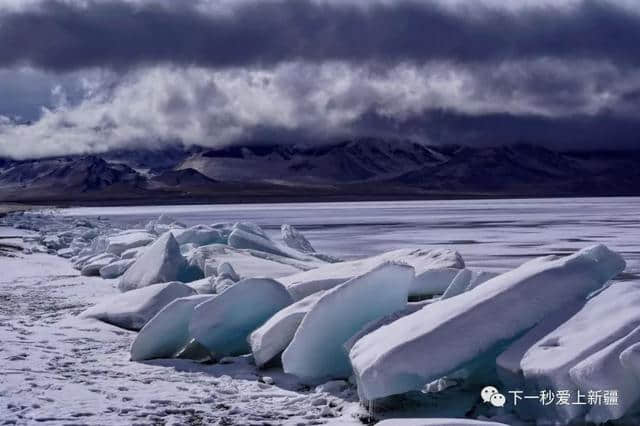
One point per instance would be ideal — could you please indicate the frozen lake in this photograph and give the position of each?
(490, 234)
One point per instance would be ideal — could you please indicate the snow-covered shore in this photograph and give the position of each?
(337, 342)
(60, 369)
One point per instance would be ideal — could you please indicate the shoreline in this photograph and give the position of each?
(9, 207)
(14, 207)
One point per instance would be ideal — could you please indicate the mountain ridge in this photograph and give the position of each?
(357, 169)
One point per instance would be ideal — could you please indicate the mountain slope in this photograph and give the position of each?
(347, 162)
(361, 169)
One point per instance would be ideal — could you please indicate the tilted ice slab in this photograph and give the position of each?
(247, 238)
(247, 263)
(93, 265)
(160, 262)
(224, 323)
(605, 318)
(199, 235)
(459, 284)
(387, 319)
(118, 244)
(115, 269)
(603, 371)
(437, 422)
(133, 309)
(630, 359)
(164, 335)
(316, 351)
(274, 336)
(203, 286)
(294, 239)
(445, 336)
(508, 362)
(480, 278)
(434, 271)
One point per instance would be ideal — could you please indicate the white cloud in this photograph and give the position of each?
(207, 107)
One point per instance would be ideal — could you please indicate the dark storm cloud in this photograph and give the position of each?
(578, 132)
(62, 36)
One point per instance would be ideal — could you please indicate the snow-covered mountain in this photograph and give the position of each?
(347, 162)
(365, 168)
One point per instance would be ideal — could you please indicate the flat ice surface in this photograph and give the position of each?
(437, 422)
(491, 235)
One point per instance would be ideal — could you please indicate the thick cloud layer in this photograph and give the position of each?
(63, 36)
(84, 76)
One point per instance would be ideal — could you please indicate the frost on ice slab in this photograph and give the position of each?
(434, 271)
(508, 362)
(224, 323)
(274, 336)
(132, 310)
(605, 318)
(603, 371)
(316, 351)
(118, 244)
(294, 239)
(160, 262)
(445, 336)
(167, 333)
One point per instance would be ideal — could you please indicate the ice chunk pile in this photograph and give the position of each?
(224, 323)
(133, 309)
(119, 243)
(434, 271)
(168, 331)
(570, 357)
(445, 336)
(274, 336)
(550, 324)
(199, 235)
(161, 262)
(316, 351)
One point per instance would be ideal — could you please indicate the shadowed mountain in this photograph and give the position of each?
(361, 169)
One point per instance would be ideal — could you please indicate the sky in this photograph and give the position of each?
(88, 76)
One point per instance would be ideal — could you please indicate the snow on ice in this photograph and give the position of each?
(410, 352)
(434, 271)
(209, 292)
(132, 310)
(605, 318)
(161, 262)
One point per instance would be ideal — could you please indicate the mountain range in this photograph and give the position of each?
(358, 169)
